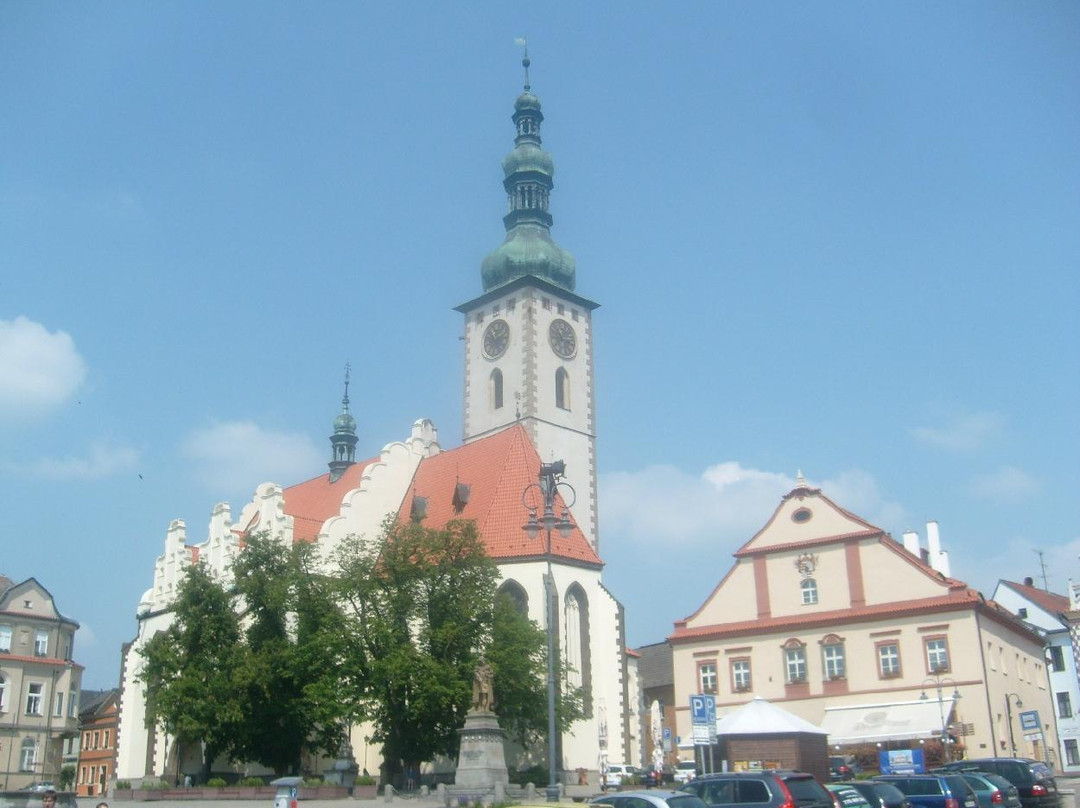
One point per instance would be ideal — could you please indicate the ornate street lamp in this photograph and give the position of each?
(938, 681)
(1008, 715)
(549, 484)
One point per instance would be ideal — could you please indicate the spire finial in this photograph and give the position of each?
(524, 45)
(800, 480)
(345, 400)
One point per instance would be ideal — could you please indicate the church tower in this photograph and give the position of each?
(528, 337)
(343, 441)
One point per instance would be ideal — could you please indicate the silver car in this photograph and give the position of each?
(653, 798)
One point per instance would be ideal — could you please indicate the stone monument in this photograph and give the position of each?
(482, 760)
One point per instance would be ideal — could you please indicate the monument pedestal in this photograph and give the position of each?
(482, 759)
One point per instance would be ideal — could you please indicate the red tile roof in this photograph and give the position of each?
(312, 502)
(1049, 602)
(497, 470)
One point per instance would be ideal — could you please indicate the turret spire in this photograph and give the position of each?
(528, 173)
(343, 441)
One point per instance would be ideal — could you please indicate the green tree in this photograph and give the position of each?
(286, 609)
(67, 777)
(518, 657)
(418, 608)
(189, 669)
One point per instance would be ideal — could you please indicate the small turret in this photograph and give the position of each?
(343, 441)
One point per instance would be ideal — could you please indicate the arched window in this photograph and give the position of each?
(562, 389)
(516, 593)
(809, 592)
(575, 645)
(496, 385)
(28, 755)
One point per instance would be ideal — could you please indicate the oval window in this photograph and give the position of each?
(801, 515)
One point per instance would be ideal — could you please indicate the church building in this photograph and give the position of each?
(528, 399)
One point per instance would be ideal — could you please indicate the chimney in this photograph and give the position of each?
(911, 542)
(1029, 581)
(939, 559)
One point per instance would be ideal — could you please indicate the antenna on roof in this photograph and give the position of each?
(1042, 565)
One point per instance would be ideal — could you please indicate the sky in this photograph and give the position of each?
(830, 237)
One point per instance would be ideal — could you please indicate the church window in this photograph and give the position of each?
(496, 389)
(27, 755)
(561, 309)
(517, 595)
(546, 303)
(495, 310)
(576, 643)
(511, 304)
(479, 318)
(573, 315)
(562, 389)
(809, 592)
(707, 677)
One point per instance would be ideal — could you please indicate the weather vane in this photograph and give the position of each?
(520, 41)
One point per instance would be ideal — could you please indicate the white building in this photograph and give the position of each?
(1047, 612)
(528, 383)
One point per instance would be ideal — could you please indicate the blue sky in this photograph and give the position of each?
(834, 237)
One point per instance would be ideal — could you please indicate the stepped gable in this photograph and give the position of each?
(497, 470)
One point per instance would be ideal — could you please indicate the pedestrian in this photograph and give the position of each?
(187, 781)
(102, 805)
(48, 799)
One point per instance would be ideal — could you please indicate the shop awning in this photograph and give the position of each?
(886, 722)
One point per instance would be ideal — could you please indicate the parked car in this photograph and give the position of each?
(880, 795)
(842, 767)
(619, 773)
(685, 771)
(1035, 783)
(653, 798)
(774, 789)
(941, 790)
(847, 797)
(992, 790)
(25, 798)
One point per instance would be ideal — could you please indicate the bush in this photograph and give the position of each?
(313, 781)
(365, 780)
(123, 785)
(153, 785)
(537, 775)
(251, 781)
(216, 782)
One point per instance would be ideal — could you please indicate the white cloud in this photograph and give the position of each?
(1007, 483)
(103, 460)
(962, 434)
(39, 369)
(238, 455)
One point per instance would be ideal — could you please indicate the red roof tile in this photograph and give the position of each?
(497, 470)
(312, 502)
(1049, 602)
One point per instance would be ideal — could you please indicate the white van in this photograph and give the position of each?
(618, 773)
(685, 771)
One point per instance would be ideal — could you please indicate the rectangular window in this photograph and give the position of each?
(740, 675)
(1057, 658)
(559, 308)
(1064, 705)
(73, 705)
(1072, 755)
(5, 638)
(33, 698)
(97, 740)
(707, 677)
(888, 660)
(573, 315)
(545, 303)
(833, 657)
(937, 655)
(795, 660)
(58, 708)
(105, 738)
(82, 774)
(495, 310)
(41, 643)
(28, 757)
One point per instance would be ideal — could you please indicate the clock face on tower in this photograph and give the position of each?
(496, 338)
(562, 338)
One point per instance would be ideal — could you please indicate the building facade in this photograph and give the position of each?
(1048, 613)
(39, 684)
(830, 618)
(528, 394)
(97, 750)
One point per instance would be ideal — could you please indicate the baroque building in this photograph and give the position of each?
(868, 638)
(528, 399)
(39, 684)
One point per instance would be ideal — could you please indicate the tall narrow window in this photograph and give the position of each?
(34, 693)
(5, 638)
(707, 677)
(3, 694)
(1057, 658)
(1064, 705)
(937, 655)
(1072, 755)
(795, 662)
(562, 389)
(58, 707)
(41, 643)
(832, 658)
(576, 643)
(740, 675)
(496, 389)
(27, 755)
(888, 660)
(809, 592)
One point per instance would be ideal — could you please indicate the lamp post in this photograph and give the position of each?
(1008, 717)
(939, 681)
(548, 485)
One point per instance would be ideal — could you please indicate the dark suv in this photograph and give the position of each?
(775, 789)
(1033, 779)
(941, 790)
